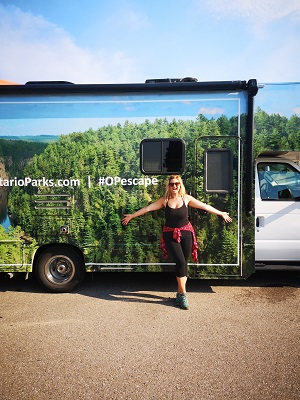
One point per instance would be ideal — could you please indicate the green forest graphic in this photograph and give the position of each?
(93, 212)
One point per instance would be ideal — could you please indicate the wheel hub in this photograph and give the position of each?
(59, 269)
(62, 268)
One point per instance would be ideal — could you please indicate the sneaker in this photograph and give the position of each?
(183, 301)
(177, 300)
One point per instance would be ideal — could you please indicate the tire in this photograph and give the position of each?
(60, 269)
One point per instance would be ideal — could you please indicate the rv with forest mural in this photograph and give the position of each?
(75, 158)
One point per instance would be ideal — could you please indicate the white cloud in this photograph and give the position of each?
(270, 31)
(32, 48)
(297, 110)
(255, 10)
(283, 62)
(211, 111)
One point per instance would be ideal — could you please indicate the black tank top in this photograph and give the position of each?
(176, 217)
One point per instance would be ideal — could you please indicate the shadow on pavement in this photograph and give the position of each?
(158, 288)
(132, 286)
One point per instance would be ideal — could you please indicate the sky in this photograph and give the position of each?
(128, 41)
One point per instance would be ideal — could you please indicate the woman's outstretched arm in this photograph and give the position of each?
(192, 202)
(157, 205)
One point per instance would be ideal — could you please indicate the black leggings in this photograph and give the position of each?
(179, 251)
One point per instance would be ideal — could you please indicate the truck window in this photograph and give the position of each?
(278, 181)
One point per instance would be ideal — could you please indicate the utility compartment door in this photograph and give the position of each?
(219, 179)
(218, 183)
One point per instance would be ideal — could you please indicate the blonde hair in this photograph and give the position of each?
(181, 190)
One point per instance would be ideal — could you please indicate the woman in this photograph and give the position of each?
(178, 234)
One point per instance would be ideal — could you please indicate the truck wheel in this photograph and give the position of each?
(59, 269)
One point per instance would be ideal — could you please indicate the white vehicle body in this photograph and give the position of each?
(277, 208)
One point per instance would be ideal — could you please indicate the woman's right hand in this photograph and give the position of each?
(126, 219)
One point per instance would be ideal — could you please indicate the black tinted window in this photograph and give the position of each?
(218, 170)
(162, 156)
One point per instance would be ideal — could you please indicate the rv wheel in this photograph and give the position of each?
(60, 269)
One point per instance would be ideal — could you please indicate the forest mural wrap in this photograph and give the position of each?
(76, 189)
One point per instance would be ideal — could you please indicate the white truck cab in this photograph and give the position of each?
(277, 208)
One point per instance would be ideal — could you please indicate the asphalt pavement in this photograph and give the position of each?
(119, 336)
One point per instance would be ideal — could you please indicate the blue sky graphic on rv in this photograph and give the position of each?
(281, 99)
(62, 117)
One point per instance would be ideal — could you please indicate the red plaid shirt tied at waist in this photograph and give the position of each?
(177, 237)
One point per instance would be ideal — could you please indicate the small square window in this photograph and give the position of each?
(162, 156)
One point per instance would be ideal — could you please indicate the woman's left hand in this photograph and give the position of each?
(226, 217)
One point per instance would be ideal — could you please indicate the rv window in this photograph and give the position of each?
(162, 156)
(218, 170)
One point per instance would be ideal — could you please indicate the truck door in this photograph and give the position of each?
(277, 209)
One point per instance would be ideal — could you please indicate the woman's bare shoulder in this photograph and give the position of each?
(160, 203)
(187, 198)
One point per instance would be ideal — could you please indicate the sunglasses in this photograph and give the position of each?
(174, 183)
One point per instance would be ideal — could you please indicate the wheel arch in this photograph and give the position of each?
(44, 247)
